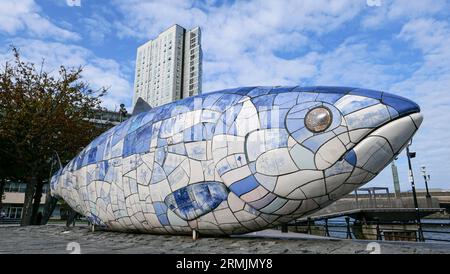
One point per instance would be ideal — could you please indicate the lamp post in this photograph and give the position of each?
(122, 112)
(426, 177)
(410, 155)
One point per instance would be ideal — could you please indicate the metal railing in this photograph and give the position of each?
(375, 230)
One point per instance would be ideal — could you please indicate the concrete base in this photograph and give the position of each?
(390, 232)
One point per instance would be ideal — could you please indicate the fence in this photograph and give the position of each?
(374, 230)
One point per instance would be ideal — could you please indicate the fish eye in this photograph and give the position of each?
(318, 119)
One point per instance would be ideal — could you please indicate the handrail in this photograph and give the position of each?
(326, 227)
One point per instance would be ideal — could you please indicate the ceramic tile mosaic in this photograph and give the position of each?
(236, 160)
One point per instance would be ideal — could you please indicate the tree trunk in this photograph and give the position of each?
(71, 217)
(36, 203)
(27, 210)
(50, 204)
(2, 190)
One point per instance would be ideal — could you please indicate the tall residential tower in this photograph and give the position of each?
(169, 67)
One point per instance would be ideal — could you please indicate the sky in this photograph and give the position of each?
(397, 46)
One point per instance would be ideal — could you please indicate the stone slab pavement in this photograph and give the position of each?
(59, 239)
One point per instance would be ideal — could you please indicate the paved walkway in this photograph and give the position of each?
(59, 239)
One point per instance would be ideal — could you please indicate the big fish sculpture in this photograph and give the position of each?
(236, 160)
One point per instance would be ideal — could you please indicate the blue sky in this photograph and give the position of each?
(398, 46)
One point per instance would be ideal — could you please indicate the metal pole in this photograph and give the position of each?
(426, 186)
(375, 198)
(378, 231)
(309, 225)
(349, 233)
(428, 196)
(327, 231)
(416, 204)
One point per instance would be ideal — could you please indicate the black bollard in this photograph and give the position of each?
(378, 231)
(309, 226)
(327, 232)
(349, 233)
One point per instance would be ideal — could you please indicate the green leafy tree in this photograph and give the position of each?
(6, 170)
(41, 114)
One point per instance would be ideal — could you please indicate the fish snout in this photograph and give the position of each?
(380, 147)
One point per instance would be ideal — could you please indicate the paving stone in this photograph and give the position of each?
(55, 239)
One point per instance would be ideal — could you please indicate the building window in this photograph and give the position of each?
(14, 212)
(15, 187)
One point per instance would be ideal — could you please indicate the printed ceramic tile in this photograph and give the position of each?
(237, 160)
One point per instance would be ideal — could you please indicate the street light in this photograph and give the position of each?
(426, 178)
(122, 112)
(411, 155)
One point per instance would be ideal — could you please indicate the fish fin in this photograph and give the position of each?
(141, 106)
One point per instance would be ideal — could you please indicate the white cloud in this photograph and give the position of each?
(97, 27)
(278, 43)
(426, 34)
(157, 14)
(401, 10)
(98, 72)
(352, 64)
(429, 84)
(241, 40)
(24, 15)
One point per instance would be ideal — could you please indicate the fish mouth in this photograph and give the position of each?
(379, 147)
